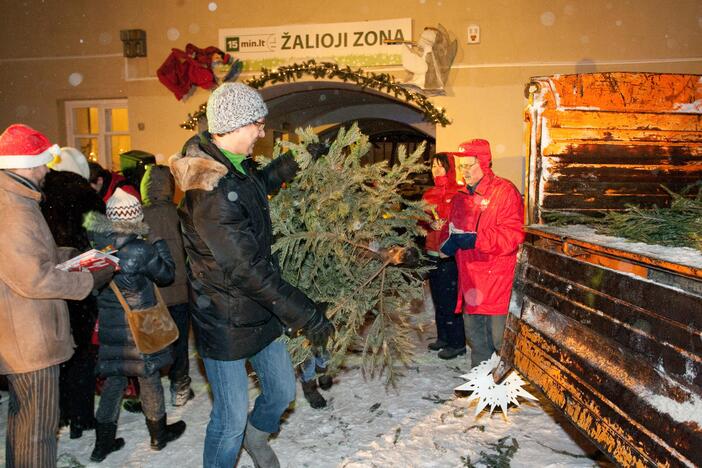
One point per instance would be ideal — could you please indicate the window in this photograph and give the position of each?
(99, 129)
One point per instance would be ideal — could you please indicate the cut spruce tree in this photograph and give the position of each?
(341, 230)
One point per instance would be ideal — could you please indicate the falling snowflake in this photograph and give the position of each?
(548, 18)
(173, 34)
(487, 392)
(75, 79)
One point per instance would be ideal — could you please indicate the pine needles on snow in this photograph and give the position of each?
(677, 226)
(332, 225)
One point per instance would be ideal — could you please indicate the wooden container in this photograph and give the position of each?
(611, 330)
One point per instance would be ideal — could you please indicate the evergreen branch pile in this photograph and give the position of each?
(333, 224)
(677, 226)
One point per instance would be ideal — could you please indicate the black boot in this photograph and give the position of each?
(312, 395)
(162, 433)
(105, 441)
(78, 426)
(325, 382)
(437, 345)
(133, 406)
(450, 353)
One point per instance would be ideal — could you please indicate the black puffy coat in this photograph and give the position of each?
(141, 266)
(241, 301)
(67, 198)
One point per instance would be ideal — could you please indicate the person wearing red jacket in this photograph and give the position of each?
(443, 279)
(484, 232)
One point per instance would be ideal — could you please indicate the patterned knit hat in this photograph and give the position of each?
(123, 207)
(233, 105)
(22, 147)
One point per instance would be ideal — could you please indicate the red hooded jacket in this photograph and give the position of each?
(495, 211)
(439, 197)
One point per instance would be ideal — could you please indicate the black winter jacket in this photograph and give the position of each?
(67, 198)
(141, 266)
(241, 301)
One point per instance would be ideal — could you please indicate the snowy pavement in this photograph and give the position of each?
(421, 423)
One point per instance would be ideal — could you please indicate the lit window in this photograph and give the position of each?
(99, 129)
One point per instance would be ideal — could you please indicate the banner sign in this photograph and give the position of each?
(358, 44)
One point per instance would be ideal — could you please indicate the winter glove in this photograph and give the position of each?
(288, 167)
(317, 150)
(318, 328)
(406, 256)
(102, 277)
(464, 240)
(411, 257)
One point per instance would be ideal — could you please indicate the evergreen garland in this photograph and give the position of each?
(677, 226)
(335, 225)
(383, 82)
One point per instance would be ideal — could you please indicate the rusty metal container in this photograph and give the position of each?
(611, 330)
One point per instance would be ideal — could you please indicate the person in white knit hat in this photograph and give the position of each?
(68, 196)
(241, 302)
(36, 335)
(71, 160)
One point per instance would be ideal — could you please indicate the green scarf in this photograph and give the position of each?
(235, 159)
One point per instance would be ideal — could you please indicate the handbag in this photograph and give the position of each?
(153, 328)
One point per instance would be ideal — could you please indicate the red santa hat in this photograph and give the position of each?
(22, 147)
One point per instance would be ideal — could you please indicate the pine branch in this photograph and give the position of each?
(677, 226)
(335, 226)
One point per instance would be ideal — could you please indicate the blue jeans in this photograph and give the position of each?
(229, 382)
(308, 368)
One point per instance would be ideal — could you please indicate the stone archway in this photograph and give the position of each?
(328, 103)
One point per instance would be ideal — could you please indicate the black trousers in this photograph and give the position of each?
(77, 386)
(32, 419)
(443, 282)
(179, 373)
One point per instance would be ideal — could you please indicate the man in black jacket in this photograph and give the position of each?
(241, 302)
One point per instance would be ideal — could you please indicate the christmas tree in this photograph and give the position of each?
(340, 226)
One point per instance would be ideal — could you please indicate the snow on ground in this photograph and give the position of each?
(421, 423)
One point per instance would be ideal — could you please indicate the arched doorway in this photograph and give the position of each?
(328, 105)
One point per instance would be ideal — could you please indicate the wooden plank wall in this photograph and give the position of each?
(605, 140)
(605, 347)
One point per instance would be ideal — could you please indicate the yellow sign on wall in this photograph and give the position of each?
(357, 44)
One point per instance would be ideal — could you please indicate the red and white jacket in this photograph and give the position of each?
(496, 212)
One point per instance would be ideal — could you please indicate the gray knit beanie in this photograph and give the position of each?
(233, 105)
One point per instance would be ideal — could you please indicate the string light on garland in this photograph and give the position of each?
(379, 81)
